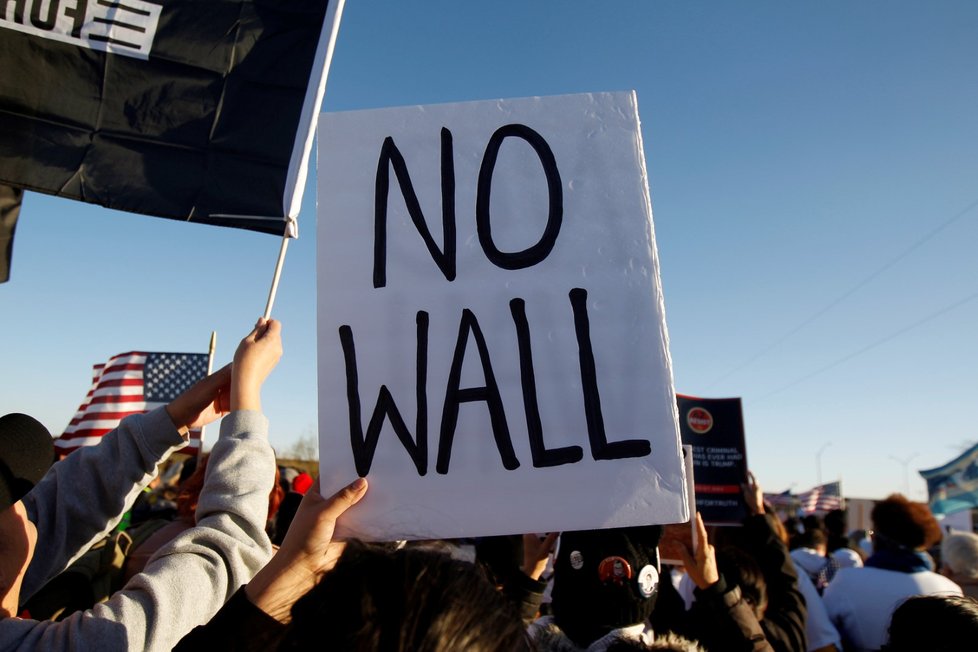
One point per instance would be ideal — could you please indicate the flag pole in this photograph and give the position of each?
(210, 369)
(290, 232)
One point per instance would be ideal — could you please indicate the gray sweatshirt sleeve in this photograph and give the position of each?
(189, 579)
(83, 497)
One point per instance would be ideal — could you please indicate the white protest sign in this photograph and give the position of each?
(493, 353)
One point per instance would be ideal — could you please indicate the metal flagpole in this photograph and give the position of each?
(291, 229)
(210, 369)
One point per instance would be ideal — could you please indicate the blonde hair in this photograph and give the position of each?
(959, 552)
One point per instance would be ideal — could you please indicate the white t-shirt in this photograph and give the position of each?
(819, 630)
(860, 601)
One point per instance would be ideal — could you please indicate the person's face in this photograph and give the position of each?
(18, 537)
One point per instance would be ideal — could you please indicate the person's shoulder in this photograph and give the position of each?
(852, 574)
(847, 558)
(808, 559)
(937, 583)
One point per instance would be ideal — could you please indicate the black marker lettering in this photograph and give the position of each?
(365, 447)
(531, 255)
(488, 393)
(390, 156)
(542, 456)
(601, 448)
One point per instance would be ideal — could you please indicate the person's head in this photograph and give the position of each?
(812, 522)
(26, 453)
(813, 539)
(499, 556)
(408, 600)
(780, 530)
(605, 580)
(936, 623)
(741, 568)
(901, 524)
(188, 492)
(835, 523)
(959, 554)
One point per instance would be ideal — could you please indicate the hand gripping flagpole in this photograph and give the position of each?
(210, 369)
(291, 231)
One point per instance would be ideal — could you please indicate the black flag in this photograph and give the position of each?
(198, 110)
(10, 199)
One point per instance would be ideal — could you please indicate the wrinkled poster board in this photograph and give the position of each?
(493, 353)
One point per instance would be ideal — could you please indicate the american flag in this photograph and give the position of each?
(784, 500)
(132, 383)
(823, 498)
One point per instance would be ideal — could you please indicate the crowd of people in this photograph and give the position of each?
(99, 552)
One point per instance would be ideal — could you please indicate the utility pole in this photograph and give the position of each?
(906, 472)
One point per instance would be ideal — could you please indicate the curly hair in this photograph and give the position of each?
(907, 524)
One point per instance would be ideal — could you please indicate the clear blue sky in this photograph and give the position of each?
(805, 160)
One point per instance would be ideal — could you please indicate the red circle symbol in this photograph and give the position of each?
(699, 420)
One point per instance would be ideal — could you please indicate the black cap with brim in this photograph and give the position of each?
(26, 453)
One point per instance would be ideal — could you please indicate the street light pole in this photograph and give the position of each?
(818, 463)
(906, 472)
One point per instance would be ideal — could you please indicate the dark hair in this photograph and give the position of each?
(740, 567)
(904, 523)
(835, 522)
(408, 600)
(499, 557)
(812, 539)
(937, 623)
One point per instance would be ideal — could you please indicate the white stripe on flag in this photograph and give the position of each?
(133, 390)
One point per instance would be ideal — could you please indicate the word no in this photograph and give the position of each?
(390, 157)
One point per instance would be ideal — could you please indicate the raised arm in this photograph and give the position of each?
(84, 496)
(189, 579)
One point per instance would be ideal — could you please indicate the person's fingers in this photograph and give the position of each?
(253, 334)
(271, 327)
(548, 543)
(700, 533)
(345, 498)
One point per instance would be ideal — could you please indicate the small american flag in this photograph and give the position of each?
(783, 500)
(823, 498)
(132, 383)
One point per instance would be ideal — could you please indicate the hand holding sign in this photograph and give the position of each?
(536, 551)
(753, 495)
(307, 552)
(701, 563)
